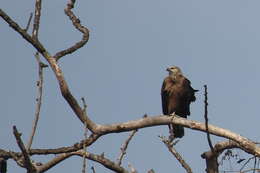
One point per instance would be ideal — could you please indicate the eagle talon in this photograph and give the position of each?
(172, 114)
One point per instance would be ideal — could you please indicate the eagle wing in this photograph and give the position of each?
(165, 98)
(169, 95)
(189, 92)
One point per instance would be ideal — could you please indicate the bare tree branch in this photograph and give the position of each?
(27, 162)
(29, 22)
(24, 34)
(37, 16)
(38, 99)
(93, 169)
(85, 136)
(97, 158)
(104, 161)
(242, 142)
(35, 31)
(241, 169)
(124, 147)
(206, 117)
(79, 27)
(211, 157)
(170, 147)
(97, 129)
(56, 69)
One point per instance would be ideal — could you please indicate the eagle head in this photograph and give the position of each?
(174, 71)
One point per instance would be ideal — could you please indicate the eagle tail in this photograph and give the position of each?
(176, 131)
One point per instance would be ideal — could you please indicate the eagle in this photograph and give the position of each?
(176, 95)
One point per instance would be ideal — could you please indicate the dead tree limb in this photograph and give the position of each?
(76, 22)
(97, 158)
(37, 17)
(56, 69)
(27, 161)
(244, 143)
(211, 157)
(124, 147)
(206, 117)
(41, 66)
(85, 137)
(170, 147)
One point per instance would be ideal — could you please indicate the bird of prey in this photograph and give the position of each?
(177, 94)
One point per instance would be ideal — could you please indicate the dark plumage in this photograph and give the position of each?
(177, 94)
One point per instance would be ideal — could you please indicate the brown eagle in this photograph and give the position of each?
(177, 94)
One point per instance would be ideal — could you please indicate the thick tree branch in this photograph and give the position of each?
(79, 27)
(248, 145)
(244, 143)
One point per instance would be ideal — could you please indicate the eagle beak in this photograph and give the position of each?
(168, 69)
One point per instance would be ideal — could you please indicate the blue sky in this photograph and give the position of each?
(121, 69)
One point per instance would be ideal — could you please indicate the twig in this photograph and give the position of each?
(170, 147)
(29, 22)
(93, 169)
(79, 27)
(27, 162)
(124, 147)
(254, 165)
(85, 136)
(38, 99)
(206, 117)
(248, 170)
(245, 164)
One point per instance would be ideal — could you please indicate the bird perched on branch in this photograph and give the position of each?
(177, 94)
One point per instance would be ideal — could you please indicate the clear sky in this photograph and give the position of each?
(121, 69)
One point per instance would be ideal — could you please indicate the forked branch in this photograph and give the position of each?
(170, 147)
(124, 147)
(27, 161)
(76, 22)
